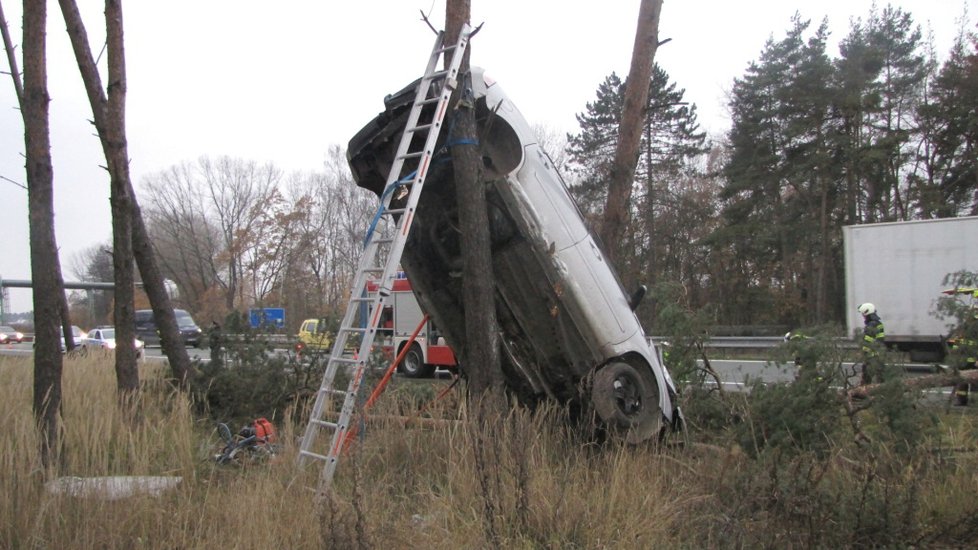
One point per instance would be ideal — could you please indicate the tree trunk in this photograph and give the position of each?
(129, 231)
(480, 358)
(941, 380)
(48, 286)
(109, 116)
(630, 127)
(159, 299)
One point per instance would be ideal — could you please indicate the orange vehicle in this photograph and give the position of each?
(401, 316)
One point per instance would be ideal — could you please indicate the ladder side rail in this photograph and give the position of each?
(396, 243)
(332, 366)
(420, 94)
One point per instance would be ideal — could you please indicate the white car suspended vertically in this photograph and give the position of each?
(568, 329)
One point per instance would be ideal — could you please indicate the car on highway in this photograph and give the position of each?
(568, 328)
(104, 338)
(147, 331)
(10, 335)
(76, 333)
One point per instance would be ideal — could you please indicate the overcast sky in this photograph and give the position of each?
(282, 84)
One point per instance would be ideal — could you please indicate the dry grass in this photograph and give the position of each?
(520, 481)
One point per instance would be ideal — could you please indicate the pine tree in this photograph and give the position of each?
(671, 144)
(948, 185)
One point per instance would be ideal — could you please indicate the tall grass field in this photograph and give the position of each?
(521, 479)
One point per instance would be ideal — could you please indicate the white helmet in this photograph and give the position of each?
(867, 309)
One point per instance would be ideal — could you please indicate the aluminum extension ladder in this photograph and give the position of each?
(382, 255)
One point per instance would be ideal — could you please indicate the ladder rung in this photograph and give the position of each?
(311, 454)
(347, 360)
(429, 101)
(408, 156)
(438, 75)
(394, 211)
(357, 330)
(333, 391)
(384, 240)
(324, 423)
(444, 49)
(421, 127)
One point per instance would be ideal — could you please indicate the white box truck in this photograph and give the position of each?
(901, 267)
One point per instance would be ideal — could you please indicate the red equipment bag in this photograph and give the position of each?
(265, 431)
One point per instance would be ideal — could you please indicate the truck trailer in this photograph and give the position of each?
(901, 267)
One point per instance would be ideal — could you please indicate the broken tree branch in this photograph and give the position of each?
(920, 382)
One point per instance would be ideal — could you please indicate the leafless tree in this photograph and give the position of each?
(237, 191)
(129, 236)
(185, 239)
(630, 127)
(50, 306)
(329, 243)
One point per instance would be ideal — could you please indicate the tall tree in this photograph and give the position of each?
(50, 306)
(129, 235)
(480, 356)
(780, 181)
(630, 127)
(882, 72)
(668, 176)
(948, 183)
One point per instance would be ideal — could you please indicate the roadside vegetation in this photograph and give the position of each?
(786, 465)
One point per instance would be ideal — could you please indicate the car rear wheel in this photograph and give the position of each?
(627, 401)
(413, 365)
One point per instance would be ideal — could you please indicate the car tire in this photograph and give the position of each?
(627, 401)
(413, 366)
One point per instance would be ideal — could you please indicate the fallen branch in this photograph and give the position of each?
(920, 382)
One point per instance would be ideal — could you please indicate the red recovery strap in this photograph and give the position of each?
(383, 381)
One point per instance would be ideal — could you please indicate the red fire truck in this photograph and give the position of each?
(400, 318)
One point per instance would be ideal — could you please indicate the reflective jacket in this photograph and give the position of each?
(873, 335)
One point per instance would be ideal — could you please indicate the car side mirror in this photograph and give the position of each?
(637, 296)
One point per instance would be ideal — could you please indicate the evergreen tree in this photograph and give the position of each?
(666, 172)
(948, 184)
(882, 72)
(779, 211)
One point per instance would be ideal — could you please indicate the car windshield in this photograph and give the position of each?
(108, 334)
(7, 329)
(185, 322)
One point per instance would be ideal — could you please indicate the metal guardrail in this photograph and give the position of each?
(747, 342)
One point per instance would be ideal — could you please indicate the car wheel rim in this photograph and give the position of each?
(628, 395)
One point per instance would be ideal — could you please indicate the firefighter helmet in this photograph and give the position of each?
(867, 309)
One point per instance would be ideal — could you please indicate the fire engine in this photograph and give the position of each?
(401, 316)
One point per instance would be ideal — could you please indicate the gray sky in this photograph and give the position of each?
(282, 84)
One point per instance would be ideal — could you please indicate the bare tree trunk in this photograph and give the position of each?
(109, 115)
(480, 359)
(940, 380)
(630, 127)
(159, 299)
(48, 285)
(129, 232)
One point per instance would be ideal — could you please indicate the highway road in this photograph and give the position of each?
(735, 375)
(152, 353)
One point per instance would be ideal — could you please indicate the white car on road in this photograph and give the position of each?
(104, 338)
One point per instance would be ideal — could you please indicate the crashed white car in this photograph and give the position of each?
(567, 328)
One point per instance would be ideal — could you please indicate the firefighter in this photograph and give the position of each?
(964, 351)
(872, 344)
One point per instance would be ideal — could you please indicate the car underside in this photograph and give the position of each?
(566, 330)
